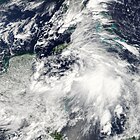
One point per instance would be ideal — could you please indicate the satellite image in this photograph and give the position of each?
(69, 69)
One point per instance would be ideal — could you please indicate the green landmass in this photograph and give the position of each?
(133, 138)
(59, 48)
(56, 135)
